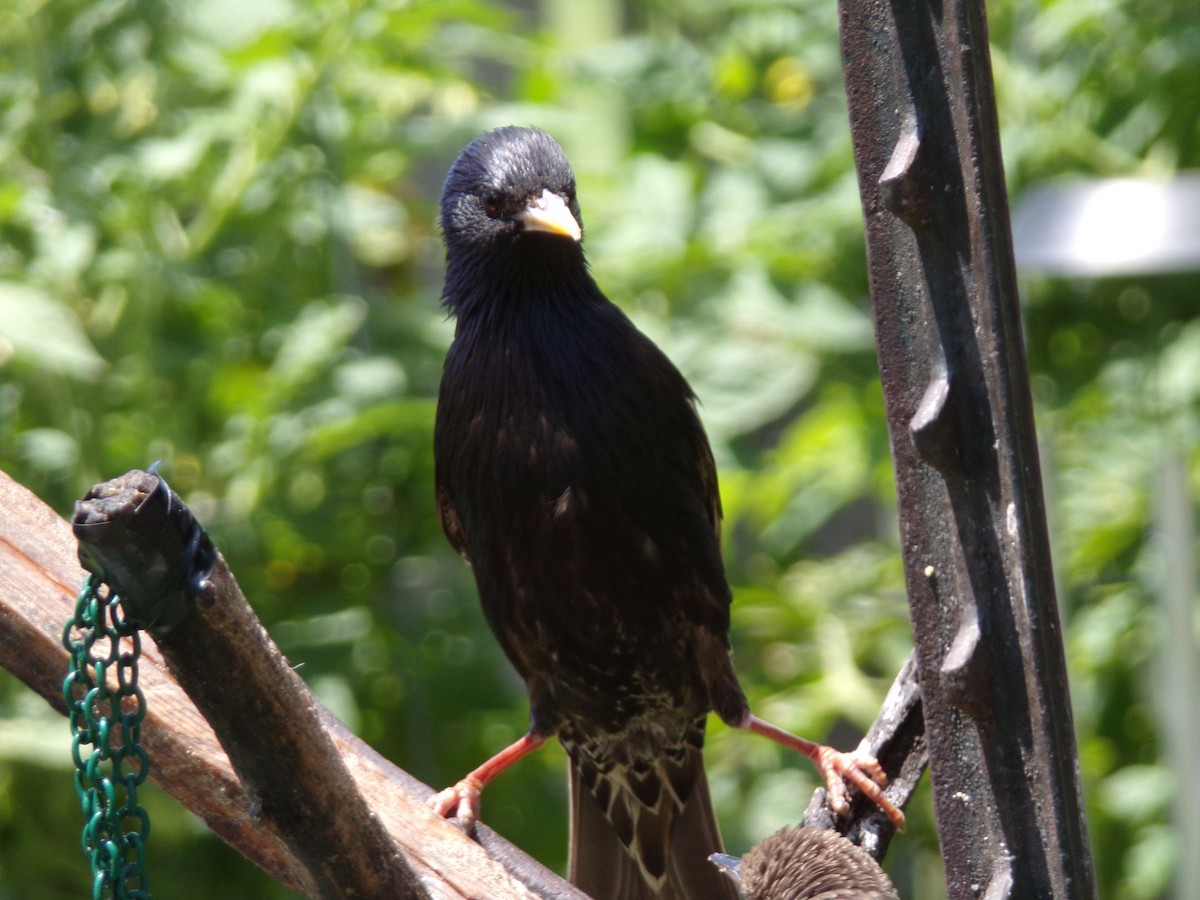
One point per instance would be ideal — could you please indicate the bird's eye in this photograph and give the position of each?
(493, 204)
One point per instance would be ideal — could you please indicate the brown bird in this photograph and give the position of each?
(574, 475)
(805, 863)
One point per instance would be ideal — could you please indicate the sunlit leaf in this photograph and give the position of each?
(45, 333)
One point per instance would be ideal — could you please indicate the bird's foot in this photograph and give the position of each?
(460, 801)
(861, 769)
(864, 772)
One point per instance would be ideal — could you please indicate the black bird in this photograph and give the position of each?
(806, 863)
(574, 475)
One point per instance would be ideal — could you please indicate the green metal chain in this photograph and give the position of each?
(105, 708)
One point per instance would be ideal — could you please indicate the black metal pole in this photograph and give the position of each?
(1002, 748)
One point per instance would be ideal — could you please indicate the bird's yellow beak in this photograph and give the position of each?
(550, 213)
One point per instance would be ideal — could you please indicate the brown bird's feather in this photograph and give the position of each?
(806, 863)
(601, 863)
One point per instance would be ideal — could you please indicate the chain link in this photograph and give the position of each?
(105, 709)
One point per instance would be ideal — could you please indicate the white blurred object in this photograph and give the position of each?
(1118, 226)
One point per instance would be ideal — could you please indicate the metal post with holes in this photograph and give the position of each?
(990, 658)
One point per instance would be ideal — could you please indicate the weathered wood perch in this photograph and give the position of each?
(134, 533)
(39, 580)
(261, 803)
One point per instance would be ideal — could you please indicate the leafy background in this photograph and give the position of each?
(218, 248)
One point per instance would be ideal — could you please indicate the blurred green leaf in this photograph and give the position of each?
(1152, 858)
(1138, 793)
(44, 333)
(314, 341)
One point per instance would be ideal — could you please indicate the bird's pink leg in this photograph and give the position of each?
(462, 800)
(860, 769)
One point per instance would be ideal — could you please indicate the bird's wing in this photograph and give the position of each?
(708, 481)
(451, 523)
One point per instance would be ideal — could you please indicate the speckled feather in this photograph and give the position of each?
(806, 863)
(574, 474)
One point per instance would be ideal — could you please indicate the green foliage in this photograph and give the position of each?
(218, 248)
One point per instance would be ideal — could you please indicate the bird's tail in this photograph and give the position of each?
(604, 867)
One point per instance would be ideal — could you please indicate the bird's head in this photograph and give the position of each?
(510, 186)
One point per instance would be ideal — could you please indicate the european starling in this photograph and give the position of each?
(808, 863)
(574, 475)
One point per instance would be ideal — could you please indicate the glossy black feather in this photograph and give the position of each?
(574, 474)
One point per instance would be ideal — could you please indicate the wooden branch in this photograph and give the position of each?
(262, 712)
(39, 579)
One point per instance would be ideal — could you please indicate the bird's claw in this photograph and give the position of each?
(461, 802)
(864, 772)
